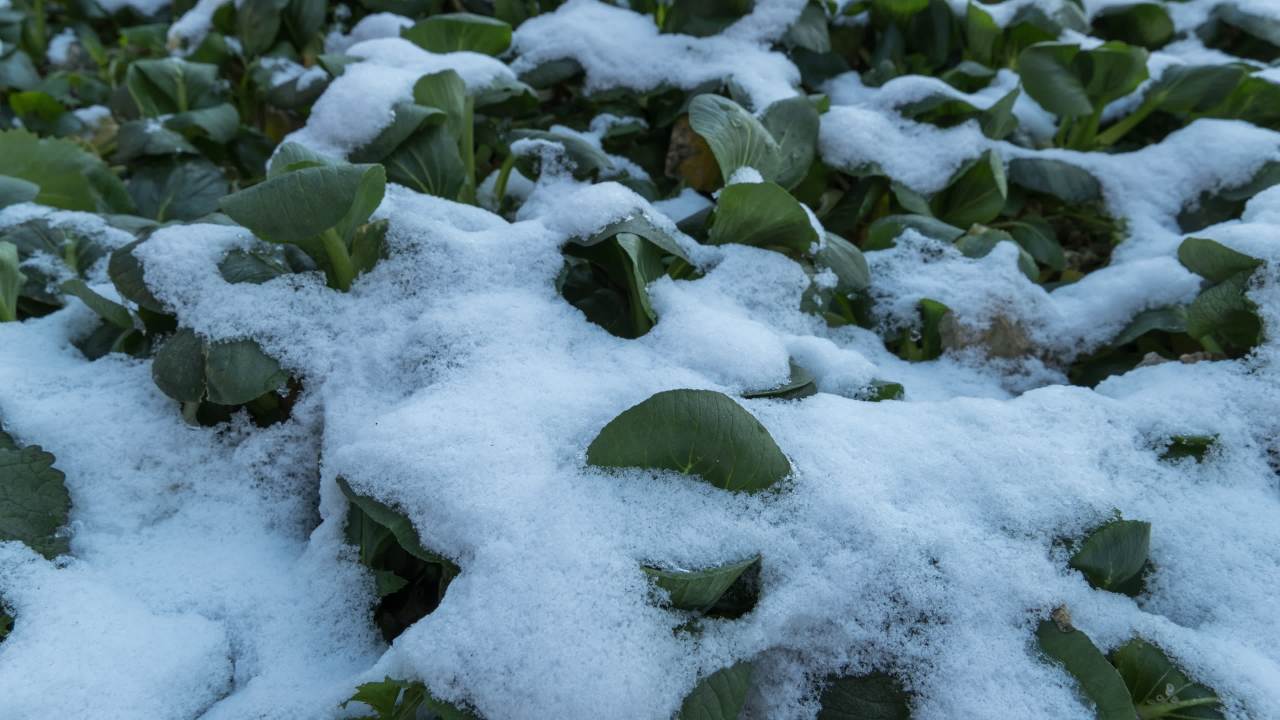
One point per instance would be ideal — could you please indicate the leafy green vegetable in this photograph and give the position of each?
(800, 384)
(1159, 688)
(763, 215)
(699, 590)
(191, 370)
(719, 696)
(1192, 446)
(403, 700)
(317, 207)
(68, 177)
(1076, 84)
(34, 502)
(695, 432)
(411, 579)
(864, 697)
(1114, 556)
(1143, 23)
(1096, 678)
(456, 32)
(975, 195)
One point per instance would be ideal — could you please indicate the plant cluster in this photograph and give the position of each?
(114, 114)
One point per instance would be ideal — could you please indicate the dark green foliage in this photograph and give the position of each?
(411, 580)
(34, 503)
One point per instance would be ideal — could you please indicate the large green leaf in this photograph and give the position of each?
(445, 91)
(1224, 312)
(695, 432)
(736, 137)
(402, 700)
(865, 697)
(703, 18)
(719, 696)
(976, 195)
(1070, 82)
(126, 274)
(1095, 677)
(428, 162)
(847, 262)
(698, 590)
(793, 123)
(34, 502)
(586, 159)
(16, 190)
(11, 281)
(68, 176)
(179, 367)
(1194, 88)
(1069, 183)
(1159, 688)
(1144, 23)
(455, 32)
(884, 231)
(1113, 556)
(408, 118)
(258, 23)
(399, 524)
(1214, 261)
(239, 371)
(172, 85)
(177, 189)
(300, 205)
(763, 215)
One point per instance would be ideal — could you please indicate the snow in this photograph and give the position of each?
(209, 576)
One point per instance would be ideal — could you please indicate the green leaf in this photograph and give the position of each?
(847, 262)
(11, 281)
(735, 136)
(16, 190)
(179, 367)
(762, 215)
(258, 23)
(146, 138)
(1213, 207)
(112, 312)
(800, 384)
(1114, 555)
(1170, 320)
(1214, 261)
(1159, 688)
(1225, 312)
(998, 121)
(927, 345)
(408, 118)
(881, 390)
(637, 225)
(1069, 183)
(719, 696)
(399, 524)
(1095, 677)
(177, 189)
(297, 206)
(695, 432)
(976, 195)
(429, 163)
(369, 245)
(69, 177)
(457, 32)
(1039, 243)
(884, 231)
(239, 371)
(703, 18)
(126, 274)
(982, 35)
(1192, 446)
(793, 123)
(171, 85)
(34, 501)
(865, 697)
(1195, 88)
(446, 91)
(1070, 82)
(982, 240)
(698, 590)
(218, 123)
(1146, 23)
(809, 31)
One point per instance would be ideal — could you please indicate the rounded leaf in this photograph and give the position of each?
(695, 432)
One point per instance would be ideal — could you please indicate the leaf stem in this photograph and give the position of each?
(340, 265)
(1113, 134)
(500, 185)
(467, 141)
